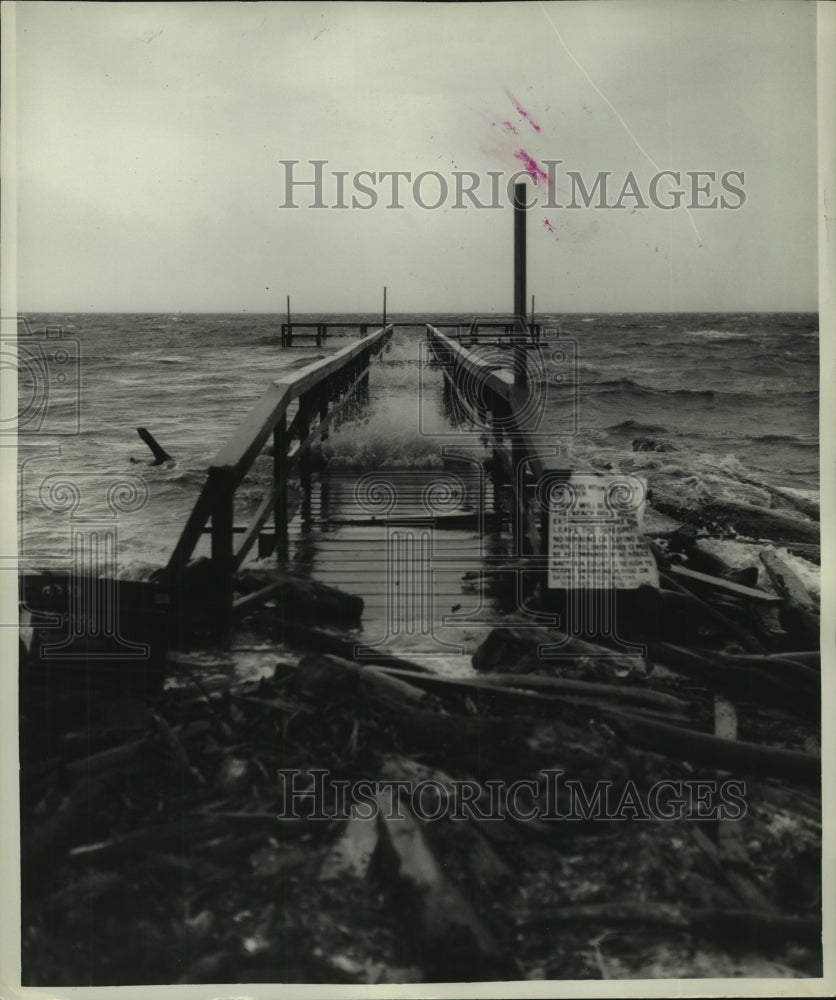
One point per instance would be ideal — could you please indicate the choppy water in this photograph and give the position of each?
(734, 396)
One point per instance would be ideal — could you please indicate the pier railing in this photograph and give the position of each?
(319, 391)
(487, 332)
(318, 330)
(502, 405)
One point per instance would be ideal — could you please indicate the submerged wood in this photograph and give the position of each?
(157, 450)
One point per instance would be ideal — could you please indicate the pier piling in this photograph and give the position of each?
(520, 358)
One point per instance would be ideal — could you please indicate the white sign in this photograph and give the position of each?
(595, 540)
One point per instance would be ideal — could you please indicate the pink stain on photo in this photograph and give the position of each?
(521, 110)
(532, 166)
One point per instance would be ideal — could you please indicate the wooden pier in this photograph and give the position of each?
(292, 332)
(502, 404)
(718, 681)
(490, 332)
(582, 563)
(318, 330)
(316, 394)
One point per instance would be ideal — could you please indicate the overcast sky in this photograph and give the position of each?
(150, 135)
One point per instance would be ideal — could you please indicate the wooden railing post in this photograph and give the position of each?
(223, 492)
(518, 460)
(498, 467)
(323, 407)
(548, 598)
(305, 454)
(317, 385)
(280, 519)
(363, 384)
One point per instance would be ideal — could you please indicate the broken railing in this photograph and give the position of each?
(319, 391)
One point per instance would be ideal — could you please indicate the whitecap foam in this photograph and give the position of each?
(386, 436)
(719, 334)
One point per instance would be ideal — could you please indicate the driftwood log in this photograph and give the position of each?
(511, 648)
(799, 614)
(447, 936)
(758, 522)
(707, 750)
(544, 694)
(759, 681)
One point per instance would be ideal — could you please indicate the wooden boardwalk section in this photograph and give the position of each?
(416, 543)
(419, 543)
(293, 413)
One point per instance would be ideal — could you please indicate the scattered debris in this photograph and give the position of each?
(508, 827)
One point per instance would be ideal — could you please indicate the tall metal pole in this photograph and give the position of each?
(520, 373)
(384, 305)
